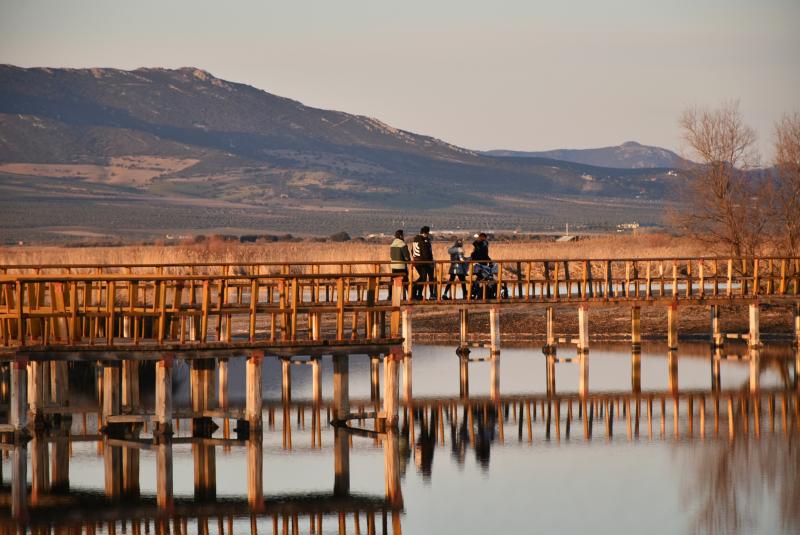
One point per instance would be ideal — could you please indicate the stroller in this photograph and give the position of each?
(484, 282)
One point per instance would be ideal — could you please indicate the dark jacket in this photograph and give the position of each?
(399, 254)
(421, 249)
(480, 250)
(457, 265)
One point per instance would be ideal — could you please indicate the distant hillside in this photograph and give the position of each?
(183, 137)
(629, 155)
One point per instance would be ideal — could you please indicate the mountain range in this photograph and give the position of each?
(629, 155)
(78, 141)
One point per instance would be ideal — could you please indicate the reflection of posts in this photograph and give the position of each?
(636, 371)
(59, 464)
(583, 376)
(550, 374)
(164, 476)
(672, 366)
(40, 469)
(19, 482)
(205, 471)
(494, 378)
(716, 359)
(255, 474)
(130, 472)
(755, 368)
(112, 463)
(636, 328)
(463, 364)
(391, 461)
(341, 457)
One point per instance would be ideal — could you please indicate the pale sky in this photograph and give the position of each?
(524, 75)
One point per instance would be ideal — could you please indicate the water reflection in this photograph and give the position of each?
(741, 430)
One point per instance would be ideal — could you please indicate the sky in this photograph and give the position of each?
(514, 74)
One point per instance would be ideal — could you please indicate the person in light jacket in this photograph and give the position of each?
(400, 256)
(458, 270)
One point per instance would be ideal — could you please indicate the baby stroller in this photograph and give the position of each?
(484, 282)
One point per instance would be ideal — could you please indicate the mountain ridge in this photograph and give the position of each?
(628, 155)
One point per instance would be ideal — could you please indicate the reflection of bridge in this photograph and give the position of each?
(53, 503)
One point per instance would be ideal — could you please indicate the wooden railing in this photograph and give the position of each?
(296, 304)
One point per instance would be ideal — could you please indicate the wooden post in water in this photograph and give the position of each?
(163, 422)
(36, 397)
(463, 331)
(407, 378)
(375, 377)
(18, 409)
(253, 399)
(286, 380)
(130, 384)
(583, 329)
(636, 371)
(19, 482)
(222, 377)
(164, 487)
(59, 383)
(717, 339)
(112, 464)
(316, 381)
(672, 326)
(205, 471)
(550, 346)
(494, 330)
(797, 325)
(111, 389)
(391, 392)
(341, 387)
(130, 472)
(754, 338)
(203, 390)
(407, 330)
(40, 469)
(636, 328)
(672, 365)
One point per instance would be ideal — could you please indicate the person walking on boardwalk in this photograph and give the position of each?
(458, 270)
(400, 256)
(480, 248)
(422, 257)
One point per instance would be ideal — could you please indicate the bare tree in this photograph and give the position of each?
(720, 202)
(786, 183)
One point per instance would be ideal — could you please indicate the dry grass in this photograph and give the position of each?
(213, 251)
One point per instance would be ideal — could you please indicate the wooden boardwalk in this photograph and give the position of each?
(100, 312)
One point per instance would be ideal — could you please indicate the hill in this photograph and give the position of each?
(629, 155)
(94, 150)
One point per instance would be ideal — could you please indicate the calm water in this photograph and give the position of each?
(470, 464)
